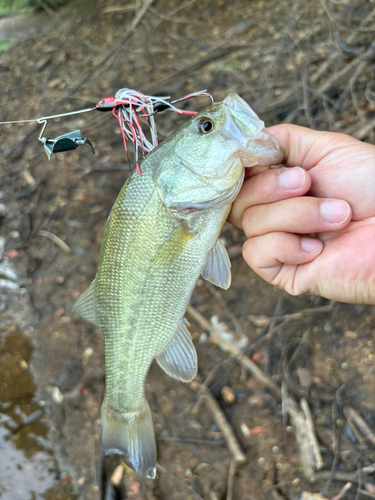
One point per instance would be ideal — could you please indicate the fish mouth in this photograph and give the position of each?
(259, 147)
(264, 150)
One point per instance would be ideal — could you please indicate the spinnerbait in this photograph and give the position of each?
(128, 106)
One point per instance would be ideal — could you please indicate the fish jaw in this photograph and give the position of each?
(258, 146)
(264, 150)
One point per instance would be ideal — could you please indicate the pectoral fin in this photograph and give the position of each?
(85, 305)
(179, 359)
(217, 268)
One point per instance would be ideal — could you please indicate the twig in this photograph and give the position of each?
(363, 131)
(360, 484)
(304, 338)
(204, 385)
(104, 60)
(193, 442)
(366, 493)
(345, 476)
(60, 243)
(352, 83)
(243, 360)
(232, 471)
(355, 431)
(224, 426)
(292, 316)
(213, 55)
(362, 425)
(273, 321)
(336, 447)
(348, 68)
(345, 488)
(191, 490)
(311, 433)
(282, 41)
(218, 52)
(45, 7)
(309, 453)
(328, 62)
(306, 98)
(237, 325)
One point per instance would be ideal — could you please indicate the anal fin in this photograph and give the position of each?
(85, 305)
(179, 359)
(217, 268)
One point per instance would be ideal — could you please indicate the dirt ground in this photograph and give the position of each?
(306, 62)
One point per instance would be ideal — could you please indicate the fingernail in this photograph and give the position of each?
(292, 178)
(335, 211)
(311, 245)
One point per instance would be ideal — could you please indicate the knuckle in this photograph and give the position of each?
(248, 221)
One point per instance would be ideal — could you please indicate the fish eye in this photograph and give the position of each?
(205, 125)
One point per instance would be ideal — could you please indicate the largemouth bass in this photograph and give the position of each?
(161, 236)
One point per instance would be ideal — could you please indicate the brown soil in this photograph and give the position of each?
(285, 59)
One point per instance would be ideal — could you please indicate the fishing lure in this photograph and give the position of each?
(128, 106)
(65, 142)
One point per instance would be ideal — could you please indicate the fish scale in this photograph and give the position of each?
(161, 235)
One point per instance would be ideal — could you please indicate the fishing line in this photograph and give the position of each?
(50, 117)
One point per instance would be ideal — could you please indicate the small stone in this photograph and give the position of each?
(351, 335)
(194, 386)
(117, 475)
(66, 478)
(244, 429)
(228, 395)
(57, 396)
(87, 353)
(23, 365)
(81, 481)
(255, 400)
(3, 210)
(157, 428)
(370, 488)
(255, 431)
(135, 487)
(11, 254)
(306, 495)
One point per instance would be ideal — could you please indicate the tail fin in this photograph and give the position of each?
(133, 435)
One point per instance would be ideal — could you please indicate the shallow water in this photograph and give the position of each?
(28, 468)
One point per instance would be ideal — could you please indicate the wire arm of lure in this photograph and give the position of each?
(65, 142)
(38, 120)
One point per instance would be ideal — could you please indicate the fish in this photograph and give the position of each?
(161, 236)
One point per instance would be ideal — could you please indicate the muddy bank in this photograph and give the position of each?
(325, 357)
(28, 465)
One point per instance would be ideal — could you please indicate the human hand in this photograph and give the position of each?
(331, 193)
